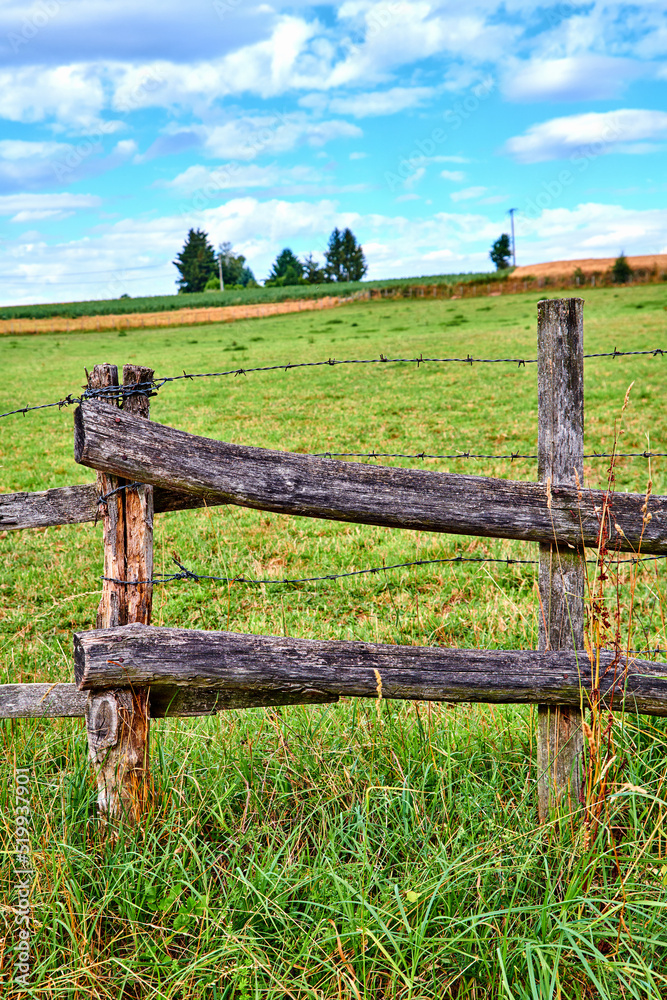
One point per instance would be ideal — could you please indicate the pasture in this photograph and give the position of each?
(233, 296)
(361, 850)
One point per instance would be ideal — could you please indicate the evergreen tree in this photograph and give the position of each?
(354, 262)
(287, 270)
(248, 279)
(500, 252)
(313, 273)
(345, 259)
(334, 256)
(621, 270)
(196, 262)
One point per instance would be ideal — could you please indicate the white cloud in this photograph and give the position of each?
(385, 102)
(241, 175)
(452, 175)
(588, 134)
(266, 68)
(244, 138)
(72, 94)
(395, 245)
(358, 156)
(26, 166)
(584, 77)
(27, 207)
(399, 33)
(468, 194)
(21, 149)
(590, 230)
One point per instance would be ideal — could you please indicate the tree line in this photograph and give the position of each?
(202, 268)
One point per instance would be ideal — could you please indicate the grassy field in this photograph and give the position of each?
(359, 850)
(245, 296)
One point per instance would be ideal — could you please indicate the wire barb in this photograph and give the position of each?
(150, 388)
(188, 574)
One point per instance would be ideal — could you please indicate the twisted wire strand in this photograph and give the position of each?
(150, 388)
(512, 456)
(155, 384)
(188, 574)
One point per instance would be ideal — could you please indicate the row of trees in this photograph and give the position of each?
(199, 265)
(344, 260)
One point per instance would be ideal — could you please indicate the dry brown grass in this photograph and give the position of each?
(589, 265)
(173, 317)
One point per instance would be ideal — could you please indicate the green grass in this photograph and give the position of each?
(240, 297)
(352, 850)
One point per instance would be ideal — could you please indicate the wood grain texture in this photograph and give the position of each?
(231, 662)
(75, 505)
(138, 503)
(41, 701)
(117, 721)
(349, 491)
(61, 701)
(561, 571)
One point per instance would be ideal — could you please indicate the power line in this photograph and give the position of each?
(75, 274)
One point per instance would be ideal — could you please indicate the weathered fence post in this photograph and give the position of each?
(561, 571)
(117, 720)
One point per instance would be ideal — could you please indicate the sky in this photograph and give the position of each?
(418, 124)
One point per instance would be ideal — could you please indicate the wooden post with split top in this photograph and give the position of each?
(117, 720)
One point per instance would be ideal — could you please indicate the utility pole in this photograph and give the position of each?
(511, 212)
(222, 282)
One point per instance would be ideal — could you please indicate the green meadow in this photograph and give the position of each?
(378, 850)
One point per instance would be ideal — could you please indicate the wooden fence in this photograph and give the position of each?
(128, 671)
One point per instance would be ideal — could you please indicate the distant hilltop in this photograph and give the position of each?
(591, 265)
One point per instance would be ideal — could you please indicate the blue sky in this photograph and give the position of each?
(418, 124)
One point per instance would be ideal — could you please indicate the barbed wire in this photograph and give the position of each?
(102, 498)
(512, 456)
(157, 383)
(67, 401)
(150, 388)
(188, 574)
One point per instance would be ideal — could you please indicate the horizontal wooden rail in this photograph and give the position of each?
(61, 701)
(109, 440)
(74, 505)
(304, 668)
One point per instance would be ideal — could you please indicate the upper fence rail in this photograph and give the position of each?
(154, 385)
(107, 439)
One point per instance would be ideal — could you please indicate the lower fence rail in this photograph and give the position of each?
(304, 670)
(65, 701)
